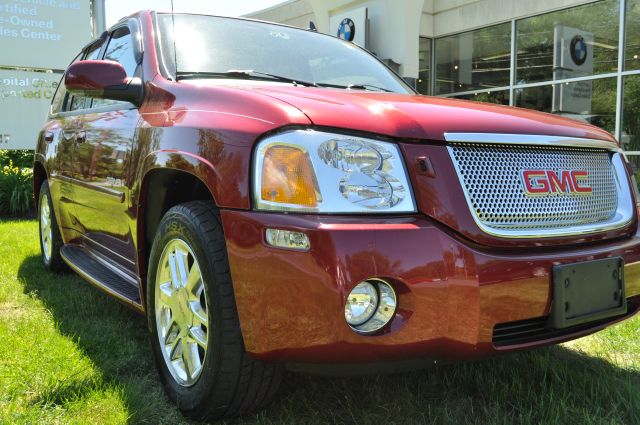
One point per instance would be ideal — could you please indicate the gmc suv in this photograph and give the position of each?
(272, 197)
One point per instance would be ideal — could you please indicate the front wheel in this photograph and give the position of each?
(50, 239)
(195, 331)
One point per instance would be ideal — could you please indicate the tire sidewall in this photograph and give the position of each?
(176, 225)
(54, 263)
(44, 194)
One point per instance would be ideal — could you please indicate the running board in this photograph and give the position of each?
(97, 271)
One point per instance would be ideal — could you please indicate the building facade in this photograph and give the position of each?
(577, 58)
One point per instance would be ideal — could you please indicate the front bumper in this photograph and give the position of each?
(451, 294)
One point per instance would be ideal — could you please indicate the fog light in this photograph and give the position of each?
(287, 239)
(361, 304)
(370, 306)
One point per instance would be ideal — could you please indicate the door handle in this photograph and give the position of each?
(81, 137)
(48, 137)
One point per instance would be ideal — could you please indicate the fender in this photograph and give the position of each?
(188, 162)
(222, 166)
(176, 160)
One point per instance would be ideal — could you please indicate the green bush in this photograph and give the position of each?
(16, 190)
(20, 158)
(16, 182)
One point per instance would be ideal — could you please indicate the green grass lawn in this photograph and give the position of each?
(69, 354)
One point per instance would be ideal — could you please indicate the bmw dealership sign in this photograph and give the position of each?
(350, 25)
(572, 58)
(347, 29)
(578, 50)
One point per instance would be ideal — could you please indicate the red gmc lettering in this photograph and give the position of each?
(560, 185)
(535, 181)
(578, 178)
(544, 182)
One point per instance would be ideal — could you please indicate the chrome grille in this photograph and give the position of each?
(491, 178)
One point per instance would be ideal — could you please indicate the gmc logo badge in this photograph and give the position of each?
(547, 182)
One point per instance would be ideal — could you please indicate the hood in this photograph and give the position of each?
(422, 117)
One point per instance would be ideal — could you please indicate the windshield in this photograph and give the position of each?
(210, 45)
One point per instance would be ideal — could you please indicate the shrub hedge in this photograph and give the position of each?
(16, 183)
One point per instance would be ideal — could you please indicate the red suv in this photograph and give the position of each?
(272, 197)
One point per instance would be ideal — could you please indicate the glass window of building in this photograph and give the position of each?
(630, 135)
(570, 43)
(591, 101)
(632, 37)
(424, 62)
(500, 97)
(473, 60)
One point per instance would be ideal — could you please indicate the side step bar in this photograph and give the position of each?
(97, 271)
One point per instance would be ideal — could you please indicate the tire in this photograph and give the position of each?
(217, 379)
(50, 239)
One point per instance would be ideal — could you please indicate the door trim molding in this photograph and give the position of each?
(104, 190)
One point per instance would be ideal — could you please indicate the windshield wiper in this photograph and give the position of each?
(243, 74)
(250, 74)
(359, 86)
(362, 86)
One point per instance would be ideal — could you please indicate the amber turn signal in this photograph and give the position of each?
(288, 177)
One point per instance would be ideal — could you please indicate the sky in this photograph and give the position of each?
(116, 9)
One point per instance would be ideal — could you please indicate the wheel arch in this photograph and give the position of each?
(170, 179)
(39, 176)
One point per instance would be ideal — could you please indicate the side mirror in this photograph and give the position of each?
(104, 80)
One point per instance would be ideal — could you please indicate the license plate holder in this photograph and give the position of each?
(587, 291)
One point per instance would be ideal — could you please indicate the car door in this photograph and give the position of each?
(106, 133)
(60, 133)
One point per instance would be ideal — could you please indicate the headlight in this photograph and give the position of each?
(313, 171)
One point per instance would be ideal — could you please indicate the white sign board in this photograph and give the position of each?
(350, 25)
(572, 57)
(25, 98)
(43, 34)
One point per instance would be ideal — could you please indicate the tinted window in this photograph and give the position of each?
(500, 97)
(593, 101)
(81, 102)
(119, 49)
(473, 60)
(570, 43)
(630, 137)
(632, 39)
(424, 60)
(61, 92)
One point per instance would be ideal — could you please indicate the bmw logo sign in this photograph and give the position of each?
(347, 29)
(578, 50)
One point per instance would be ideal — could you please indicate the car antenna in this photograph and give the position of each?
(312, 27)
(175, 51)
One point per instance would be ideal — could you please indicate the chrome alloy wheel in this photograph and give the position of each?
(46, 232)
(181, 312)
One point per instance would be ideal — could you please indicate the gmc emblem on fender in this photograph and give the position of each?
(548, 182)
